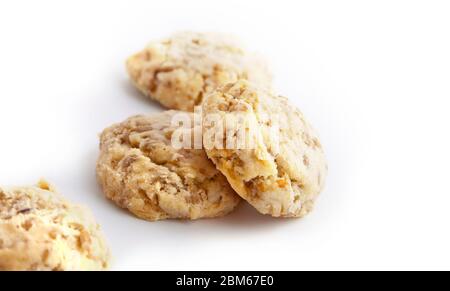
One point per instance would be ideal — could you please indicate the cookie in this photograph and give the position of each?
(180, 70)
(39, 230)
(140, 170)
(284, 169)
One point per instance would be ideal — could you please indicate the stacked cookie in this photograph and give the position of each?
(142, 169)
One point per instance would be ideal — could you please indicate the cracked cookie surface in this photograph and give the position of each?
(284, 170)
(141, 171)
(180, 70)
(40, 230)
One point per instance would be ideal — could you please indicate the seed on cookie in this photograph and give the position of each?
(40, 230)
(180, 70)
(282, 169)
(143, 169)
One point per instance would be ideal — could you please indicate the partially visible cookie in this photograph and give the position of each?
(140, 170)
(39, 230)
(283, 170)
(180, 70)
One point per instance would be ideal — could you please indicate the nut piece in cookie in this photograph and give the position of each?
(40, 231)
(140, 170)
(180, 70)
(282, 167)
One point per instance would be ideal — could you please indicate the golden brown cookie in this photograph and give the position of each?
(180, 70)
(39, 230)
(140, 170)
(283, 170)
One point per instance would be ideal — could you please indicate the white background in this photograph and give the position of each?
(372, 76)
